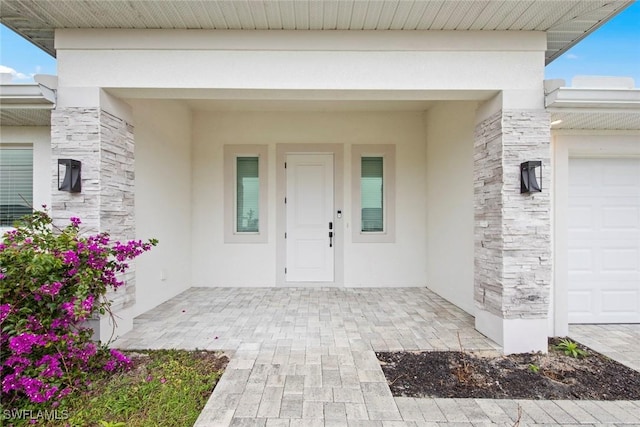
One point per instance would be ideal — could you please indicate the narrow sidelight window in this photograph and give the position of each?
(372, 194)
(16, 183)
(247, 195)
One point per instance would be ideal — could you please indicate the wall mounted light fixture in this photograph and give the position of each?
(531, 177)
(71, 176)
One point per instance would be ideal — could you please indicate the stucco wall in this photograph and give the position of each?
(397, 64)
(163, 199)
(449, 127)
(40, 138)
(384, 264)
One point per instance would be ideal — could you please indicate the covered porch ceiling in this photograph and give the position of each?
(566, 22)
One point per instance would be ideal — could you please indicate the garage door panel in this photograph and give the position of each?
(620, 173)
(621, 217)
(580, 302)
(581, 179)
(580, 260)
(620, 301)
(581, 218)
(618, 260)
(604, 240)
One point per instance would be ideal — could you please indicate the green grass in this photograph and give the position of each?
(166, 388)
(163, 388)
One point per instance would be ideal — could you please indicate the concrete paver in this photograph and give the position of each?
(306, 357)
(619, 342)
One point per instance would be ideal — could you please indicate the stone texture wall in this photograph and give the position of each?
(105, 146)
(75, 134)
(512, 230)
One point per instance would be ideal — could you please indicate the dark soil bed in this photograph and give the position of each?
(554, 375)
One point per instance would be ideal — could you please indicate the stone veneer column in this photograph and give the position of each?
(104, 144)
(512, 231)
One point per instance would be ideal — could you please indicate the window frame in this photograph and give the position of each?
(231, 154)
(21, 146)
(387, 152)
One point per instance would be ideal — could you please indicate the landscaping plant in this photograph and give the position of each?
(51, 282)
(571, 348)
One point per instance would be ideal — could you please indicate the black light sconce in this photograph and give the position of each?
(71, 180)
(531, 177)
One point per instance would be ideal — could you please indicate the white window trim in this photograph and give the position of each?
(388, 154)
(231, 153)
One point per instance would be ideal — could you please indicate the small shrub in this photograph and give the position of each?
(51, 281)
(571, 348)
(534, 368)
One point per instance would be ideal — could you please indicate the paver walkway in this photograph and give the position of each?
(619, 342)
(305, 357)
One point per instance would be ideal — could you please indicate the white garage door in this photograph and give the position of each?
(604, 240)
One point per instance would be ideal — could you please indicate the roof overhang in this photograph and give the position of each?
(25, 105)
(566, 22)
(613, 107)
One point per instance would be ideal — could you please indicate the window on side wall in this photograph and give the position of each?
(245, 188)
(247, 195)
(16, 183)
(373, 168)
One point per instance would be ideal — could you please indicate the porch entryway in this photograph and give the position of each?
(305, 356)
(306, 321)
(304, 353)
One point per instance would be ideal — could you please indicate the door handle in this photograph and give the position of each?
(330, 234)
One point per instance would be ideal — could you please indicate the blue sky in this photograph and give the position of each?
(612, 50)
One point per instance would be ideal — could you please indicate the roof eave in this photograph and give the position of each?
(557, 54)
(580, 98)
(23, 96)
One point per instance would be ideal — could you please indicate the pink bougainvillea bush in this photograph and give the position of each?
(51, 281)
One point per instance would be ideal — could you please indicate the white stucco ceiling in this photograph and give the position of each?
(565, 21)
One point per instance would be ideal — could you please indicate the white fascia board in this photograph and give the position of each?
(577, 98)
(23, 96)
(307, 40)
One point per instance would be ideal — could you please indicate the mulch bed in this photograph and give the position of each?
(454, 374)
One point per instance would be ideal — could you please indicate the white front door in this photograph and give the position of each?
(604, 240)
(309, 199)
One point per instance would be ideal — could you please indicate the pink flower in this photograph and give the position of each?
(51, 289)
(87, 304)
(69, 308)
(23, 343)
(5, 309)
(70, 257)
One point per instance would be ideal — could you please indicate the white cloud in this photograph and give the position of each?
(572, 56)
(15, 75)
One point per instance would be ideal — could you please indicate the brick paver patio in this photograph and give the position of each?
(305, 357)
